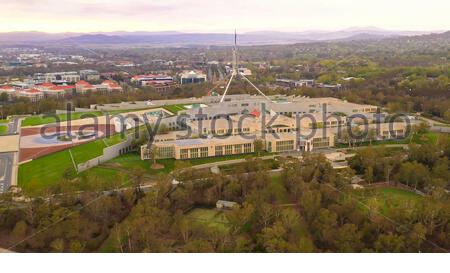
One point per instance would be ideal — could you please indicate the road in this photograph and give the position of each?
(8, 166)
(6, 171)
(436, 126)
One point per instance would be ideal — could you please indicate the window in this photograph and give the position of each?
(228, 149)
(238, 149)
(184, 153)
(247, 148)
(194, 152)
(219, 151)
(204, 152)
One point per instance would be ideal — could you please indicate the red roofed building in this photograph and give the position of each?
(52, 90)
(60, 91)
(82, 87)
(34, 95)
(8, 90)
(112, 86)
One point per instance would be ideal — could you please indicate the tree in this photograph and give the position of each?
(368, 175)
(57, 245)
(20, 230)
(152, 155)
(345, 136)
(258, 145)
(371, 134)
(163, 129)
(138, 174)
(348, 239)
(273, 238)
(3, 97)
(413, 174)
(390, 243)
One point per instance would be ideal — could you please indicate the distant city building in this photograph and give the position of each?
(294, 83)
(152, 80)
(192, 77)
(62, 77)
(244, 71)
(89, 75)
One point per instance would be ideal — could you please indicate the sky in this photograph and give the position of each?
(221, 15)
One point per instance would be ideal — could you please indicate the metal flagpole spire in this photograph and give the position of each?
(235, 73)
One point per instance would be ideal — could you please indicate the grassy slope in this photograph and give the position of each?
(48, 170)
(3, 129)
(45, 171)
(174, 108)
(88, 151)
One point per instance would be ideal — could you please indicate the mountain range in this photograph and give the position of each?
(180, 38)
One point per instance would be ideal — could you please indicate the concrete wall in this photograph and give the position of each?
(109, 153)
(77, 110)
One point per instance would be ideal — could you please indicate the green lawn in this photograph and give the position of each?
(388, 198)
(130, 160)
(85, 152)
(104, 179)
(174, 108)
(40, 119)
(277, 188)
(3, 129)
(48, 170)
(430, 137)
(115, 139)
(210, 217)
(398, 195)
(44, 172)
(427, 138)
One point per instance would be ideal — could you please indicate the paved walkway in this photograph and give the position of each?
(228, 162)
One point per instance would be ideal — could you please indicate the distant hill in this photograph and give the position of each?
(179, 38)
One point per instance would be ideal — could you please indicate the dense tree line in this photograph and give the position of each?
(320, 214)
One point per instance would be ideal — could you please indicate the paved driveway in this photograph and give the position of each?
(6, 171)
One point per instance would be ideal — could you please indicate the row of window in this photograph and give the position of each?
(320, 142)
(284, 146)
(194, 153)
(166, 152)
(233, 149)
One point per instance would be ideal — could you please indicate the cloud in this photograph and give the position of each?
(220, 15)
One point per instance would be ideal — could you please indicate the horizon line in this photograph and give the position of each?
(354, 28)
